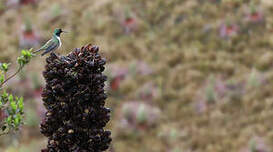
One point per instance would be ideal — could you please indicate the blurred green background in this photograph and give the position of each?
(183, 75)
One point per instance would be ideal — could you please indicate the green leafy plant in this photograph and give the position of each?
(11, 106)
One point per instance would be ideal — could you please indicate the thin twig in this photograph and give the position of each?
(19, 69)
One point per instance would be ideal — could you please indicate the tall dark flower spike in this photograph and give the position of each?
(74, 98)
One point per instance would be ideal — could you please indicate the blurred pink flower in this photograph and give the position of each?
(255, 17)
(129, 24)
(228, 30)
(143, 68)
(28, 37)
(216, 89)
(220, 87)
(148, 91)
(115, 82)
(12, 3)
(25, 2)
(140, 67)
(17, 3)
(256, 144)
(138, 115)
(201, 106)
(116, 75)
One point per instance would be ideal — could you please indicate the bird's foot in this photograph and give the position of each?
(54, 54)
(64, 59)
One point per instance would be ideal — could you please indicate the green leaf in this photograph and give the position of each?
(25, 57)
(1, 104)
(13, 106)
(20, 61)
(2, 78)
(23, 52)
(4, 67)
(9, 120)
(11, 98)
(28, 54)
(4, 95)
(17, 120)
(21, 104)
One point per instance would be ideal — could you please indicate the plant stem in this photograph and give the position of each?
(19, 69)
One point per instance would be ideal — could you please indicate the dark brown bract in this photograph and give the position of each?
(74, 98)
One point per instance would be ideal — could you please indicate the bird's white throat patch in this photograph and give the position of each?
(59, 41)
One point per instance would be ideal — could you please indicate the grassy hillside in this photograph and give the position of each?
(184, 75)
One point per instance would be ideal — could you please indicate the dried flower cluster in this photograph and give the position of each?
(74, 98)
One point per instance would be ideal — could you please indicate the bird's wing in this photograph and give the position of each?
(47, 45)
(51, 47)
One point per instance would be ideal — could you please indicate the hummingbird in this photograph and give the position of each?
(53, 44)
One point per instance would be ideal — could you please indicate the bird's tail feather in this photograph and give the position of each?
(37, 51)
(44, 53)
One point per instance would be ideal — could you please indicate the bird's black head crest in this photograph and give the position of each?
(58, 31)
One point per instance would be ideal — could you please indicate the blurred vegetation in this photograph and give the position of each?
(204, 65)
(11, 107)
